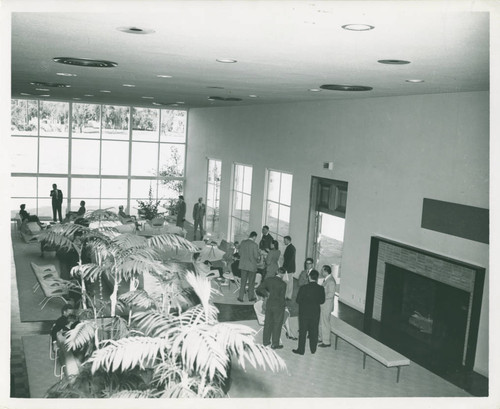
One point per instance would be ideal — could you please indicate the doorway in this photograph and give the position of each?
(327, 223)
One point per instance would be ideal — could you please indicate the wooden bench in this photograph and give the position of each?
(367, 345)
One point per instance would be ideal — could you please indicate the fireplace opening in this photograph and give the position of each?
(424, 319)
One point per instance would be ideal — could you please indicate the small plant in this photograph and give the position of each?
(149, 208)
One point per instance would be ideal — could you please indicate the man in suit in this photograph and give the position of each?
(303, 276)
(181, 211)
(57, 199)
(327, 307)
(266, 242)
(249, 257)
(273, 288)
(198, 215)
(289, 265)
(309, 298)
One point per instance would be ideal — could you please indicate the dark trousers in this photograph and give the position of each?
(273, 322)
(56, 210)
(308, 325)
(198, 223)
(250, 277)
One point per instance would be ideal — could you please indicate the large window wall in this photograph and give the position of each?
(104, 154)
(213, 195)
(241, 198)
(278, 202)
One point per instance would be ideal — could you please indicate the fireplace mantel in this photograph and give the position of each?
(442, 269)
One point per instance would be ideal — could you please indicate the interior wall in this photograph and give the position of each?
(393, 152)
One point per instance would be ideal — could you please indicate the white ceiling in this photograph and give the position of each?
(283, 49)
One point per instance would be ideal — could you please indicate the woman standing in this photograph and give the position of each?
(272, 259)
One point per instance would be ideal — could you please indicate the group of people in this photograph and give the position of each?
(199, 211)
(315, 301)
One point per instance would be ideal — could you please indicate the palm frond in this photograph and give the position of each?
(127, 240)
(153, 323)
(136, 265)
(200, 352)
(127, 353)
(118, 327)
(202, 287)
(135, 394)
(101, 215)
(171, 241)
(56, 239)
(87, 271)
(139, 298)
(81, 335)
(239, 341)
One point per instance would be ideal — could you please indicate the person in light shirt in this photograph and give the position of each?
(327, 307)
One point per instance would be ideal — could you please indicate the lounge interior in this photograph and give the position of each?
(361, 131)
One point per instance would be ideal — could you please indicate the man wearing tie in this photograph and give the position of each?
(57, 199)
(181, 212)
(289, 265)
(326, 308)
(198, 215)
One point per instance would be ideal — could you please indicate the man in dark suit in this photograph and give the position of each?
(274, 289)
(309, 298)
(181, 212)
(266, 242)
(57, 199)
(199, 211)
(289, 265)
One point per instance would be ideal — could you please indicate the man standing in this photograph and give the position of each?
(289, 265)
(309, 298)
(199, 211)
(57, 199)
(326, 308)
(303, 276)
(181, 211)
(249, 257)
(274, 289)
(266, 242)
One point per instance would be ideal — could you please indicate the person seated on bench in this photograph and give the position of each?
(26, 217)
(61, 323)
(235, 265)
(124, 217)
(205, 267)
(70, 216)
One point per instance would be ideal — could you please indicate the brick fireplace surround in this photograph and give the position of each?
(451, 272)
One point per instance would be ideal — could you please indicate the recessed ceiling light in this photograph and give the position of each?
(50, 84)
(224, 99)
(85, 62)
(394, 62)
(358, 27)
(164, 76)
(88, 95)
(44, 95)
(226, 60)
(337, 87)
(253, 96)
(129, 85)
(148, 97)
(415, 81)
(77, 99)
(105, 91)
(65, 74)
(314, 89)
(42, 89)
(135, 30)
(156, 103)
(24, 93)
(180, 102)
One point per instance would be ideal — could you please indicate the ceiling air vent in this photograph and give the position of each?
(85, 62)
(49, 84)
(336, 87)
